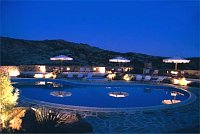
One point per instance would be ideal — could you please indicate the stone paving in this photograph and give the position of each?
(160, 121)
(167, 120)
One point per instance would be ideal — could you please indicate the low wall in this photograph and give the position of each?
(11, 70)
(192, 72)
(37, 68)
(14, 70)
(195, 74)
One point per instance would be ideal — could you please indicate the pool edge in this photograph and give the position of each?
(191, 99)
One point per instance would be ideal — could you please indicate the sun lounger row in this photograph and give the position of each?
(148, 78)
(140, 77)
(80, 75)
(89, 77)
(84, 69)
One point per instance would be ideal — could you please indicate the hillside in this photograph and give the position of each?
(18, 52)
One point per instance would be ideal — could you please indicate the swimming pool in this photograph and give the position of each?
(93, 96)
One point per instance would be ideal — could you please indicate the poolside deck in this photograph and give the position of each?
(154, 121)
(173, 120)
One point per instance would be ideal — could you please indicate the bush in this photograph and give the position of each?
(8, 99)
(42, 120)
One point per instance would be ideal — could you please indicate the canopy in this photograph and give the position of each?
(119, 59)
(176, 60)
(61, 57)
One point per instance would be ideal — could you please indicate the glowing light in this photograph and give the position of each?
(34, 109)
(16, 122)
(173, 93)
(38, 76)
(175, 81)
(50, 82)
(127, 69)
(14, 72)
(174, 72)
(68, 68)
(42, 69)
(109, 72)
(102, 69)
(127, 77)
(49, 75)
(54, 76)
(170, 101)
(111, 76)
(94, 68)
(118, 94)
(41, 83)
(182, 82)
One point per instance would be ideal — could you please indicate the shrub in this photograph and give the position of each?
(8, 99)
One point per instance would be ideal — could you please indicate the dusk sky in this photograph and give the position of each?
(162, 28)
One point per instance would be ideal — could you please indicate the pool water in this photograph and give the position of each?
(98, 96)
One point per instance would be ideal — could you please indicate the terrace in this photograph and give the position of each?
(99, 66)
(182, 113)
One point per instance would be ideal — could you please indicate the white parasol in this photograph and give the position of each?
(119, 60)
(176, 60)
(61, 58)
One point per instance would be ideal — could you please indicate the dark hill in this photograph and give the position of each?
(20, 52)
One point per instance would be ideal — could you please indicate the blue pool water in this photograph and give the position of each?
(98, 96)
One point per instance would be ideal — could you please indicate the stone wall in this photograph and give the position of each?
(192, 74)
(11, 70)
(36, 68)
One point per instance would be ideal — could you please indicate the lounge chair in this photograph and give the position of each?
(160, 79)
(87, 70)
(119, 70)
(81, 69)
(80, 75)
(155, 72)
(70, 75)
(146, 71)
(147, 78)
(89, 75)
(138, 77)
